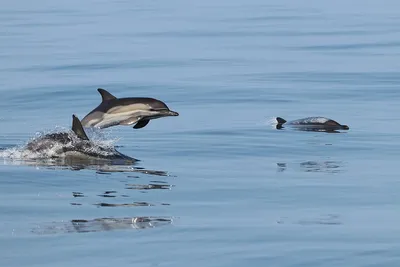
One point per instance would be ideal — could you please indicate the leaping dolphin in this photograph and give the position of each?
(318, 124)
(73, 145)
(137, 111)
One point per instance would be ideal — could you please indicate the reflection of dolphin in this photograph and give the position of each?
(103, 224)
(137, 111)
(75, 146)
(101, 166)
(108, 224)
(316, 166)
(317, 124)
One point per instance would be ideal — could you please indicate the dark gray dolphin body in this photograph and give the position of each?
(137, 111)
(317, 124)
(74, 144)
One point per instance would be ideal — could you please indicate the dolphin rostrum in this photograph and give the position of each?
(318, 124)
(137, 111)
(74, 145)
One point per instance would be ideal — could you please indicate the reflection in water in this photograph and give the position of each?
(134, 204)
(309, 129)
(108, 194)
(330, 219)
(65, 161)
(111, 169)
(326, 166)
(314, 166)
(160, 185)
(101, 166)
(281, 167)
(103, 224)
(147, 186)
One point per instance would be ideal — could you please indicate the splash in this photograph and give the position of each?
(49, 156)
(100, 146)
(271, 121)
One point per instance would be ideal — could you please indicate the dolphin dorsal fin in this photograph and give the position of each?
(78, 129)
(105, 95)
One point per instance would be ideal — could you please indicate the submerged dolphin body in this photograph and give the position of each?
(73, 145)
(316, 124)
(137, 111)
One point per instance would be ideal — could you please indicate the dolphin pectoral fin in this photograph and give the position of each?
(78, 129)
(138, 120)
(141, 124)
(105, 95)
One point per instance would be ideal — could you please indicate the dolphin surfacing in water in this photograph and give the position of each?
(74, 145)
(316, 124)
(137, 111)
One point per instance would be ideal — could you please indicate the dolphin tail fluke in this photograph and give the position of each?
(280, 120)
(78, 129)
(280, 123)
(105, 95)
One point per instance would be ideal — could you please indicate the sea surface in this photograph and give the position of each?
(218, 185)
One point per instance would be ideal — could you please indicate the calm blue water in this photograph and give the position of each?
(237, 191)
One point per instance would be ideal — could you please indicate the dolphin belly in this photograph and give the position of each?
(122, 118)
(111, 119)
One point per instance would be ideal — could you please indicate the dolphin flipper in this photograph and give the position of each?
(105, 95)
(138, 120)
(78, 129)
(141, 124)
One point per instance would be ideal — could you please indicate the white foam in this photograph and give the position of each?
(101, 146)
(271, 121)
